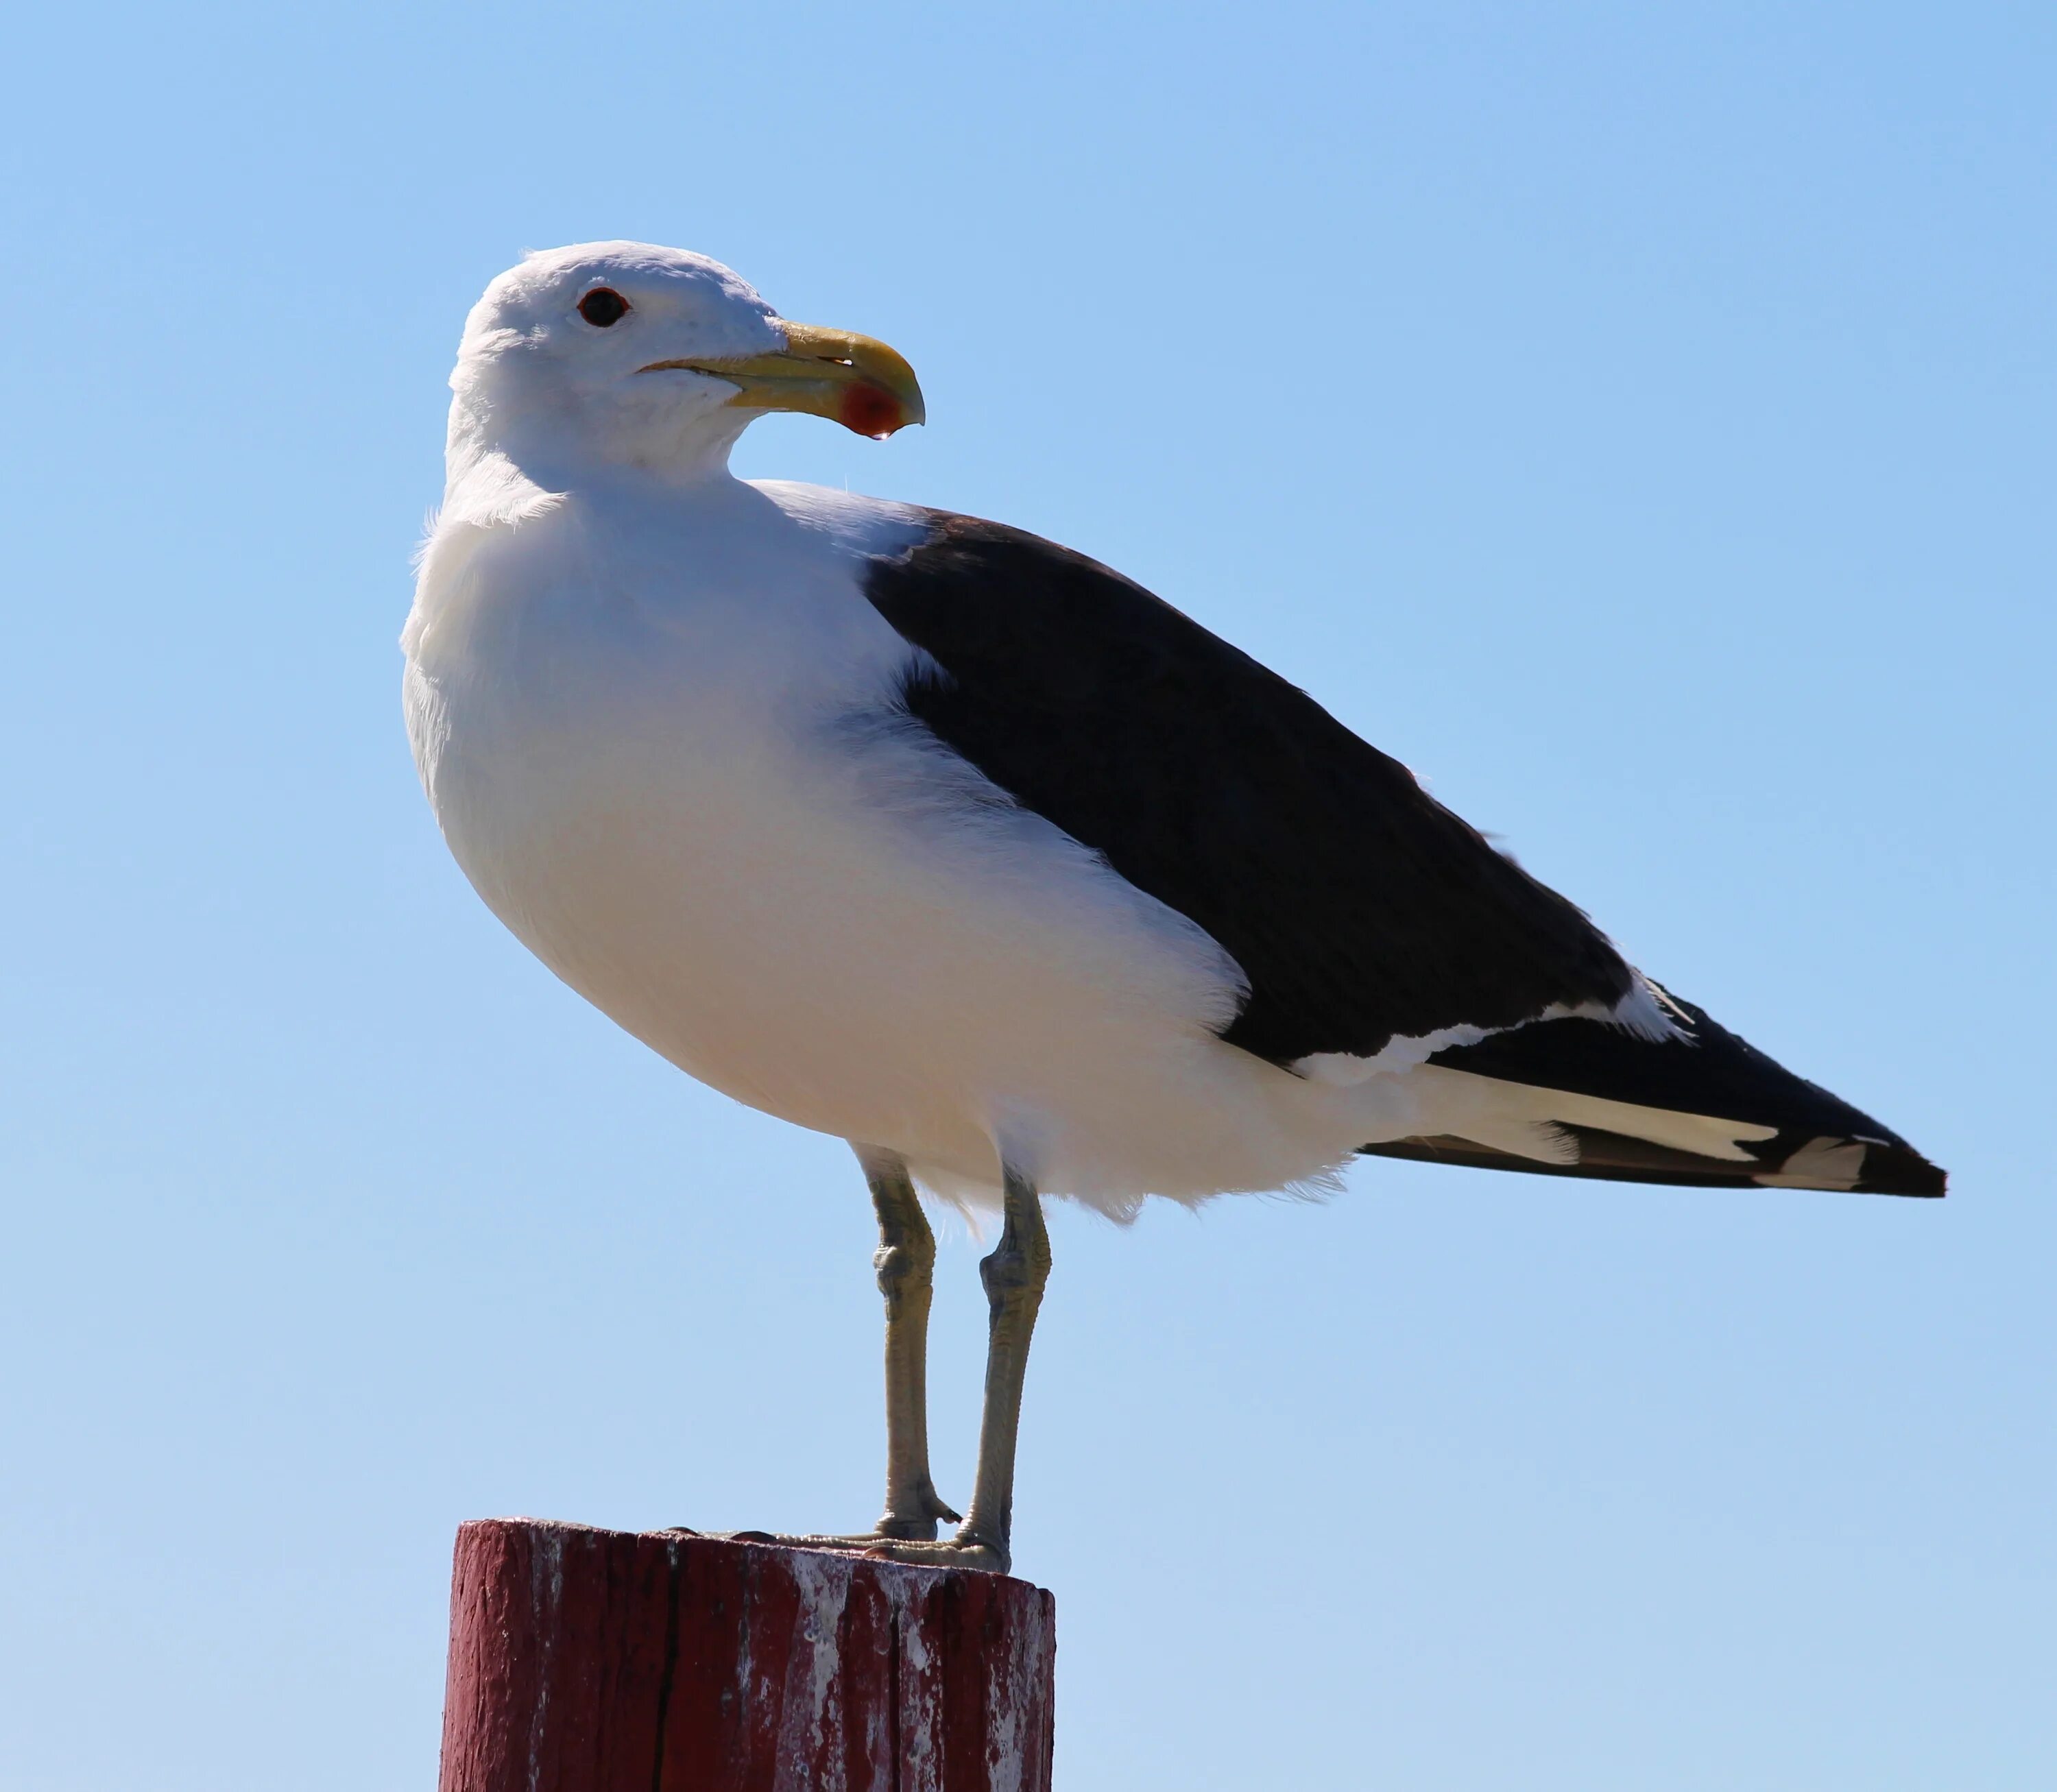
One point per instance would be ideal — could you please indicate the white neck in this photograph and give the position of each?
(566, 442)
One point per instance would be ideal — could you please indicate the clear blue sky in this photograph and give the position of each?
(1639, 418)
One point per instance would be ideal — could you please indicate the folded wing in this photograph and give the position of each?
(1370, 922)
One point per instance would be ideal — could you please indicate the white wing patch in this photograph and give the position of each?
(1509, 1117)
(1822, 1163)
(1642, 1012)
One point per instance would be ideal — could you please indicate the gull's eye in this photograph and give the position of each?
(603, 307)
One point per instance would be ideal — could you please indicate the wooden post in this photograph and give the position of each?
(584, 1660)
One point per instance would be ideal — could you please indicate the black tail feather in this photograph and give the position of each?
(1819, 1141)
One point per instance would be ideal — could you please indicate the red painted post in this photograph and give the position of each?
(584, 1660)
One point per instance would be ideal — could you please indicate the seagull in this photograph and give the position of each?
(925, 832)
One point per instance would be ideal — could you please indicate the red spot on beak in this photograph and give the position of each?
(870, 411)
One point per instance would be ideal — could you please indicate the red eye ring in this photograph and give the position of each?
(603, 307)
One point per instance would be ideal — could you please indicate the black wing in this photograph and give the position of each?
(1359, 908)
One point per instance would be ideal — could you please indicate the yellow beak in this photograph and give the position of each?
(853, 380)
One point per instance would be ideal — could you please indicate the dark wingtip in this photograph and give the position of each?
(1899, 1169)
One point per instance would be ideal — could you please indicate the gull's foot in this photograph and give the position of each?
(912, 1527)
(855, 1543)
(978, 1553)
(919, 1531)
(914, 1522)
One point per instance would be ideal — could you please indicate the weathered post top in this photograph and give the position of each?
(585, 1660)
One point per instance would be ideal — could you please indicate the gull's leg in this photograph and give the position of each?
(905, 1261)
(1014, 1276)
